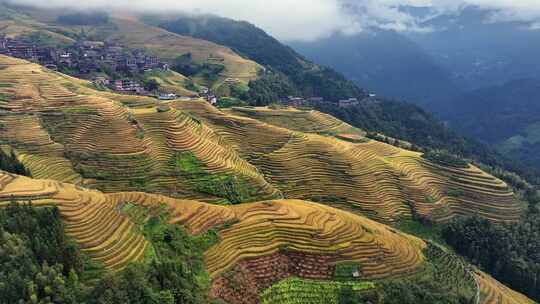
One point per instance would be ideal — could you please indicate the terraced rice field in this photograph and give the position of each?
(371, 178)
(122, 143)
(62, 129)
(263, 242)
(96, 222)
(307, 121)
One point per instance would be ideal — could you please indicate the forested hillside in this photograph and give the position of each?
(40, 263)
(508, 252)
(246, 39)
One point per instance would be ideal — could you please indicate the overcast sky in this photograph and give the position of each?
(310, 19)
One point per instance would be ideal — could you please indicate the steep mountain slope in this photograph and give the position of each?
(386, 62)
(396, 119)
(193, 150)
(246, 39)
(307, 240)
(504, 116)
(279, 205)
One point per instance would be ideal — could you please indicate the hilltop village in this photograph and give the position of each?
(107, 65)
(84, 58)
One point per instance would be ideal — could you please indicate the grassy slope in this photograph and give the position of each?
(171, 81)
(309, 78)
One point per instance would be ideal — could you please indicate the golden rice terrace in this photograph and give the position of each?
(62, 129)
(262, 243)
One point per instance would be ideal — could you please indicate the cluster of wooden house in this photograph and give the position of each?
(315, 101)
(207, 94)
(292, 101)
(84, 57)
(346, 103)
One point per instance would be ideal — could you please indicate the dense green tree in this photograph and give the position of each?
(348, 296)
(25, 252)
(10, 163)
(184, 65)
(39, 264)
(43, 232)
(511, 253)
(131, 286)
(270, 87)
(418, 292)
(151, 84)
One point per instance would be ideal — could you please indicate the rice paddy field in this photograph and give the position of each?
(300, 199)
(363, 176)
(62, 129)
(266, 251)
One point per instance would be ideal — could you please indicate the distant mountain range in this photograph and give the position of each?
(506, 116)
(463, 52)
(386, 62)
(480, 53)
(478, 75)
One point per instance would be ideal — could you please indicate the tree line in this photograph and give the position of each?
(40, 264)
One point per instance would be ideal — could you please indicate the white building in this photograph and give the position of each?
(167, 96)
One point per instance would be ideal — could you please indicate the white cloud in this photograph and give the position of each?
(534, 26)
(311, 19)
(389, 14)
(285, 19)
